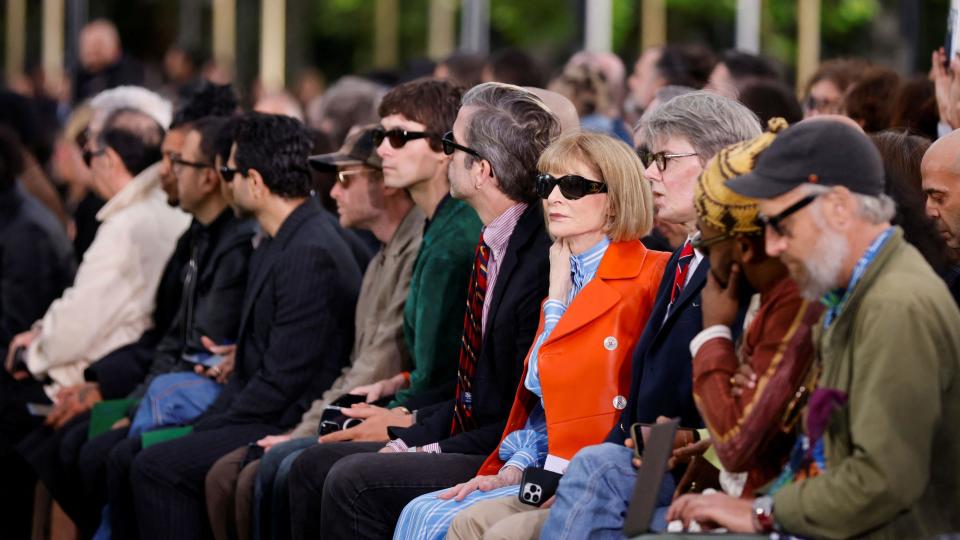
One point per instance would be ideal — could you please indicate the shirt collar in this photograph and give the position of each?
(584, 265)
(497, 234)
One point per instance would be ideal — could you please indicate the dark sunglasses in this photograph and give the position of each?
(227, 173)
(776, 222)
(660, 158)
(702, 244)
(572, 187)
(195, 164)
(397, 137)
(88, 155)
(450, 146)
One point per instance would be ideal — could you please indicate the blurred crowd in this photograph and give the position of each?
(460, 301)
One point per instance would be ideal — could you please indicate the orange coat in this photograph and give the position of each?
(585, 366)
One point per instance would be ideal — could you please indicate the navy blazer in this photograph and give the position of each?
(522, 284)
(662, 382)
(296, 324)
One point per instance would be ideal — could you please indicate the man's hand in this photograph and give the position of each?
(720, 303)
(73, 401)
(684, 445)
(685, 453)
(270, 441)
(23, 339)
(712, 511)
(376, 420)
(222, 371)
(121, 423)
(508, 476)
(743, 378)
(381, 388)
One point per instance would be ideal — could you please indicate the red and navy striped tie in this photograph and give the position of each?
(683, 264)
(471, 340)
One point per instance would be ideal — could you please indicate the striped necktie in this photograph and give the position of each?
(683, 264)
(471, 340)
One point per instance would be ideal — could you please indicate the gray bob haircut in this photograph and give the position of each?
(510, 128)
(706, 120)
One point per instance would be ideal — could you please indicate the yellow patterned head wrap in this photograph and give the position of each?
(716, 204)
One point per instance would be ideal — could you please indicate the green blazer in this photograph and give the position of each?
(436, 304)
(893, 451)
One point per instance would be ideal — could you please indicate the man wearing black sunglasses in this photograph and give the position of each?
(498, 135)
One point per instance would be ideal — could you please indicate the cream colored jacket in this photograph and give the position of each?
(112, 297)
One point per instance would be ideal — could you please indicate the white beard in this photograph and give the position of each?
(824, 271)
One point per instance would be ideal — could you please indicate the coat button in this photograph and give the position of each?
(610, 343)
(620, 403)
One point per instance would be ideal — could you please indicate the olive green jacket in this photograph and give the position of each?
(893, 451)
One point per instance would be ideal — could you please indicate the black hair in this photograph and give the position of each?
(223, 142)
(686, 65)
(277, 147)
(516, 66)
(11, 158)
(209, 129)
(769, 98)
(134, 136)
(206, 99)
(742, 65)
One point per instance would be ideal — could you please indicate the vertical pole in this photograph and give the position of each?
(225, 34)
(475, 26)
(598, 31)
(653, 24)
(748, 26)
(16, 34)
(272, 44)
(385, 36)
(440, 41)
(808, 40)
(53, 28)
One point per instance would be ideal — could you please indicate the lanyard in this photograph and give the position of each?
(832, 299)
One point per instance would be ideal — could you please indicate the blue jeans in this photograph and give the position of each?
(174, 399)
(271, 501)
(595, 492)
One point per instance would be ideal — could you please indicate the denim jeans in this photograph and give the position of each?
(174, 399)
(595, 492)
(270, 497)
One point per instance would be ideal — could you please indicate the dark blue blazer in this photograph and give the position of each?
(662, 382)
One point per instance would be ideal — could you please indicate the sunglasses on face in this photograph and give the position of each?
(228, 173)
(572, 187)
(776, 222)
(450, 146)
(397, 137)
(344, 176)
(660, 158)
(88, 155)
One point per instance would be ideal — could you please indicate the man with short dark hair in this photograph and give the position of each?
(295, 330)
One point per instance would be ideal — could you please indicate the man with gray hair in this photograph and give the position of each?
(497, 138)
(682, 134)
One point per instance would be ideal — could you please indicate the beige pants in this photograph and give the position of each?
(498, 519)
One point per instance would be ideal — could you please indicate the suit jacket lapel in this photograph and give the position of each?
(260, 269)
(593, 301)
(690, 290)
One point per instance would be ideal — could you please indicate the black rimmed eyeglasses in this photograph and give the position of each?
(178, 161)
(661, 158)
(572, 186)
(776, 222)
(450, 145)
(398, 137)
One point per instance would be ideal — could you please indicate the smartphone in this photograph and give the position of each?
(39, 409)
(348, 400)
(639, 432)
(538, 485)
(206, 360)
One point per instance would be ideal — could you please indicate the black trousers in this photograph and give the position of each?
(16, 422)
(168, 480)
(343, 491)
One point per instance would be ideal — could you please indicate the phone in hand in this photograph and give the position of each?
(538, 485)
(639, 432)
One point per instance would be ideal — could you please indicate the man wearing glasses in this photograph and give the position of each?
(880, 444)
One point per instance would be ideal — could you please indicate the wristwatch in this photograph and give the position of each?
(763, 514)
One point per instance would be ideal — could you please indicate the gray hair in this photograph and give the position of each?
(131, 97)
(872, 209)
(706, 120)
(510, 128)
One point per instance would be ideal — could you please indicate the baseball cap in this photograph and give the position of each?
(357, 149)
(824, 152)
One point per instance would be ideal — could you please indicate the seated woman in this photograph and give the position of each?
(602, 287)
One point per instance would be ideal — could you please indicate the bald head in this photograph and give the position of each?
(99, 45)
(560, 106)
(940, 172)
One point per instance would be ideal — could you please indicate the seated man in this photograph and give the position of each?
(294, 338)
(379, 351)
(683, 134)
(492, 169)
(879, 453)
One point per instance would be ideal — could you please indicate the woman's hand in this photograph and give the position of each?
(509, 476)
(560, 281)
(381, 388)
